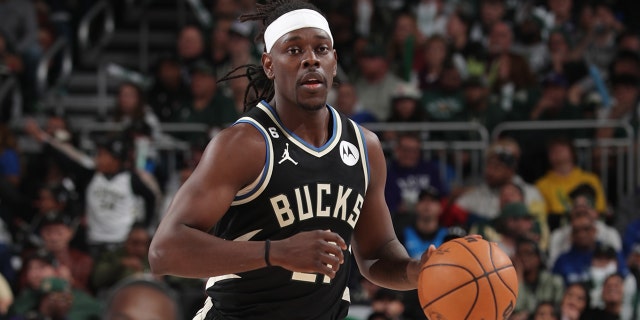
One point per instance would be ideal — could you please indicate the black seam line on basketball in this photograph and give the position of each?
(500, 277)
(475, 279)
(493, 292)
(459, 242)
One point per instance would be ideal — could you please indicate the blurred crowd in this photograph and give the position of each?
(76, 221)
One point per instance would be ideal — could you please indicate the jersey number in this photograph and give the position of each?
(273, 132)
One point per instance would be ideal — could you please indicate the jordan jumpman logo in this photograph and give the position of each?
(286, 156)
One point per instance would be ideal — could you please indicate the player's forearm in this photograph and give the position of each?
(394, 269)
(188, 252)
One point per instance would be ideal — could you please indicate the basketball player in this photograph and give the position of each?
(293, 188)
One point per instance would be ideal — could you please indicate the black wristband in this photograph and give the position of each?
(267, 246)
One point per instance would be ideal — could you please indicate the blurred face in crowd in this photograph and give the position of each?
(128, 99)
(47, 201)
(517, 226)
(169, 74)
(435, 51)
(139, 302)
(630, 42)
(500, 38)
(405, 26)
(475, 96)
(347, 98)
(137, 243)
(405, 107)
(428, 212)
(106, 162)
(560, 155)
(407, 151)
(583, 206)
(583, 232)
(226, 8)
(558, 44)
(560, 7)
(38, 270)
(613, 289)
(202, 85)
(545, 311)
(56, 237)
(626, 95)
(574, 301)
(373, 68)
(496, 173)
(190, 43)
(450, 80)
(456, 27)
(491, 12)
(510, 193)
(528, 256)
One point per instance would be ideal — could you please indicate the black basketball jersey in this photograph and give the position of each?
(301, 188)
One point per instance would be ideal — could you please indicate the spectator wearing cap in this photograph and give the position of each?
(207, 105)
(582, 201)
(513, 222)
(553, 104)
(535, 283)
(564, 176)
(408, 173)
(604, 264)
(482, 201)
(405, 107)
(375, 83)
(57, 231)
(421, 229)
(111, 190)
(43, 277)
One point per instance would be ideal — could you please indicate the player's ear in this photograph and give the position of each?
(335, 67)
(267, 65)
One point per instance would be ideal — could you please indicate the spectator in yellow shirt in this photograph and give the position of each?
(563, 177)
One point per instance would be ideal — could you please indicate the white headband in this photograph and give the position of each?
(294, 20)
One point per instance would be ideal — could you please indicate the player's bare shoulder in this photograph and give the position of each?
(239, 149)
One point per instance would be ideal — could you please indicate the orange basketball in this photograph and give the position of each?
(468, 278)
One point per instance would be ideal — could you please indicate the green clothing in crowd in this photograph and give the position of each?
(548, 288)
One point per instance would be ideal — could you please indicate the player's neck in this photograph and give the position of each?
(312, 126)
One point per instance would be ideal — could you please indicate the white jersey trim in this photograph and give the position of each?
(253, 190)
(317, 152)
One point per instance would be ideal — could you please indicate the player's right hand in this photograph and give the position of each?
(310, 252)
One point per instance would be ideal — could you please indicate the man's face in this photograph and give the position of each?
(407, 152)
(302, 64)
(583, 232)
(202, 84)
(56, 237)
(613, 290)
(190, 44)
(527, 253)
(36, 271)
(137, 243)
(496, 173)
(427, 213)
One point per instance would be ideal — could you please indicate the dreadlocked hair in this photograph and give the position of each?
(260, 87)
